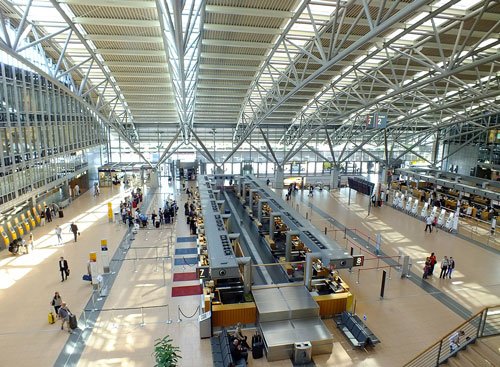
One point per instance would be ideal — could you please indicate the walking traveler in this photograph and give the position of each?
(64, 313)
(455, 340)
(74, 228)
(428, 224)
(58, 231)
(63, 268)
(56, 302)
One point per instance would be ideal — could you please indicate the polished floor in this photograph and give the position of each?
(140, 308)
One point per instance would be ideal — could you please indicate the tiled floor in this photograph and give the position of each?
(407, 320)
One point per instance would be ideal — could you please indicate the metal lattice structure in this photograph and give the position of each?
(272, 75)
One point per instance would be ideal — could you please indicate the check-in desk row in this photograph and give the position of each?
(21, 225)
(219, 250)
(283, 219)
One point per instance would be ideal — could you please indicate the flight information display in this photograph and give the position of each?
(361, 185)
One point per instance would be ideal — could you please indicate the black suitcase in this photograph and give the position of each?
(61, 214)
(73, 323)
(157, 224)
(257, 346)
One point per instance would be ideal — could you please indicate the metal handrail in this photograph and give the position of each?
(475, 327)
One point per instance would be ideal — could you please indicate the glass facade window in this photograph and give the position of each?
(44, 132)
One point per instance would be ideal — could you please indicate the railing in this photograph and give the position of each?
(484, 323)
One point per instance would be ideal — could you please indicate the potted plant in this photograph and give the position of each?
(166, 355)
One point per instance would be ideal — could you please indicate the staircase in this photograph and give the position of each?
(485, 352)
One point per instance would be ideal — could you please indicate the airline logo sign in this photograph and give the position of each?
(376, 120)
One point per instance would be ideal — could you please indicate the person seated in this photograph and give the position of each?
(238, 334)
(238, 351)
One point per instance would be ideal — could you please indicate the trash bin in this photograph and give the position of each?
(205, 324)
(302, 352)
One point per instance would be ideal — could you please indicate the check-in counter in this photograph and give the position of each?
(332, 296)
(231, 314)
(333, 304)
(36, 215)
(31, 220)
(319, 270)
(270, 242)
(25, 223)
(450, 204)
(12, 231)
(19, 228)
(5, 236)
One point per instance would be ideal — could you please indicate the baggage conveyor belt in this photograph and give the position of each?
(253, 245)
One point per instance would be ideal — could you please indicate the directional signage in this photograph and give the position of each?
(376, 120)
(359, 260)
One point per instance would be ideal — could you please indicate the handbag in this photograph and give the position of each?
(67, 272)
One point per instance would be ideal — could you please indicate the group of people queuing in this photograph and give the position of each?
(447, 266)
(129, 206)
(49, 213)
(190, 212)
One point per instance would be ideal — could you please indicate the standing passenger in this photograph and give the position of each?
(451, 266)
(42, 218)
(444, 267)
(433, 262)
(48, 215)
(428, 224)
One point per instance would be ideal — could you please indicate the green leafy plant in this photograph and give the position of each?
(165, 353)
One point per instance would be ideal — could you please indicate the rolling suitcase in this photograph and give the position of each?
(52, 318)
(61, 214)
(257, 346)
(73, 323)
(157, 224)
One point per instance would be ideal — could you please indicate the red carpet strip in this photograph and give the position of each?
(189, 290)
(179, 277)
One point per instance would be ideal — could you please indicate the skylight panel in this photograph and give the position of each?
(461, 5)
